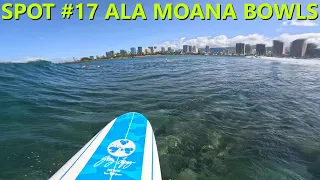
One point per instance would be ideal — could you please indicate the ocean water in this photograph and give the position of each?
(215, 118)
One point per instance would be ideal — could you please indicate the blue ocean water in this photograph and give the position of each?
(213, 117)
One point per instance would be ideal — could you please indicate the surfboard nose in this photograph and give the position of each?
(136, 115)
(124, 148)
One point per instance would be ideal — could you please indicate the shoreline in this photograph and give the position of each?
(106, 59)
(155, 55)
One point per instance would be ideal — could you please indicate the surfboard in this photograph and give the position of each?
(125, 149)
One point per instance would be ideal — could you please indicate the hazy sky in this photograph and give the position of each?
(66, 38)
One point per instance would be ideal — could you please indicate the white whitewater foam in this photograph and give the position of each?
(304, 62)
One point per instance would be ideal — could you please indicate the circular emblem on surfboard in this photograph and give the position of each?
(121, 148)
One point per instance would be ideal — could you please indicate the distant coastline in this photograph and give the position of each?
(87, 59)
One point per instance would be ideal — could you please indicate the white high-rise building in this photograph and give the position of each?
(133, 50)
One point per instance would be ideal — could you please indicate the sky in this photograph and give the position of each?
(62, 39)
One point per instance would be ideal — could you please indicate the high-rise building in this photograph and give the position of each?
(298, 48)
(278, 48)
(133, 50)
(261, 49)
(107, 54)
(169, 49)
(147, 50)
(311, 51)
(111, 53)
(269, 50)
(190, 49)
(123, 52)
(185, 48)
(163, 49)
(254, 51)
(194, 49)
(151, 49)
(216, 50)
(229, 50)
(207, 49)
(240, 48)
(317, 53)
(140, 50)
(248, 49)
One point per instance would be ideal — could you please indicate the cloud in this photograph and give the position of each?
(225, 41)
(303, 23)
(280, 29)
(311, 37)
(216, 41)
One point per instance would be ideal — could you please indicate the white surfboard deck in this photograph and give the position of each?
(125, 149)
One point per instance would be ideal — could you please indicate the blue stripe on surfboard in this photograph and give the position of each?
(120, 154)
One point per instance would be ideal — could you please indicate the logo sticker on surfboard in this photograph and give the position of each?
(121, 149)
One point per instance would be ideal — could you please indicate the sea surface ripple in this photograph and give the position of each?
(213, 117)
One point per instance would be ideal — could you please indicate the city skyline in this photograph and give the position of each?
(299, 48)
(251, 39)
(255, 37)
(284, 45)
(58, 39)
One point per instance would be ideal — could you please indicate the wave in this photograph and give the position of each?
(28, 60)
(27, 65)
(33, 71)
(24, 62)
